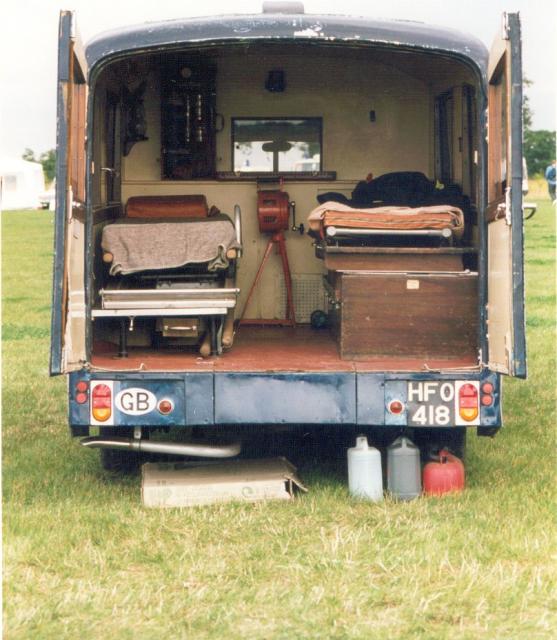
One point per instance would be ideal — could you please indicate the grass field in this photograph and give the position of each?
(83, 559)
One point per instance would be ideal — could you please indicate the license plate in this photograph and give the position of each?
(431, 403)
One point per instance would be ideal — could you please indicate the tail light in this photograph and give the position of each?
(487, 394)
(396, 407)
(81, 392)
(101, 402)
(468, 402)
(165, 406)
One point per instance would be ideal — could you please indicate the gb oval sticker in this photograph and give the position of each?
(135, 401)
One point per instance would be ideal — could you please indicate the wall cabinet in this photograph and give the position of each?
(188, 120)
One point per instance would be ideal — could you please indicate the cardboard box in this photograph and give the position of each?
(186, 484)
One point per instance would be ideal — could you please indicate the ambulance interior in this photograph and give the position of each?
(218, 144)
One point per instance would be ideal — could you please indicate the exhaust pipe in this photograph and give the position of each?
(172, 448)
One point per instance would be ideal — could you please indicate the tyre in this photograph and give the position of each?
(116, 460)
(434, 439)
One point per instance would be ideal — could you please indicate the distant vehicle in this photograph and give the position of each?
(21, 182)
(47, 199)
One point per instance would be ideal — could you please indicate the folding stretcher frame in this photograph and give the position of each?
(128, 304)
(177, 301)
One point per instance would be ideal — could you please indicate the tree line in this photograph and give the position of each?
(47, 159)
(538, 146)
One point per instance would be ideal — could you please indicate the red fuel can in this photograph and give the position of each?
(443, 475)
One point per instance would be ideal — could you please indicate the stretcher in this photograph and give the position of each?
(333, 220)
(165, 262)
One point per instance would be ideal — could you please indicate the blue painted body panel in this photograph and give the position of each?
(283, 398)
(206, 399)
(329, 29)
(491, 416)
(370, 398)
(163, 388)
(200, 398)
(518, 364)
(173, 390)
(61, 214)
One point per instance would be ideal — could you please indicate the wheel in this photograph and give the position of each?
(430, 439)
(116, 459)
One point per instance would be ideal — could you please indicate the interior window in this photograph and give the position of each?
(112, 152)
(9, 183)
(444, 117)
(469, 145)
(265, 145)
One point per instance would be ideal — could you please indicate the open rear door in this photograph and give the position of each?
(68, 296)
(506, 334)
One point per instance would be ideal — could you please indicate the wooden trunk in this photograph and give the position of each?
(396, 258)
(411, 315)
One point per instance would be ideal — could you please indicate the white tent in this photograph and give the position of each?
(21, 184)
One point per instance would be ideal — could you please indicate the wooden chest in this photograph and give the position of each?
(420, 315)
(396, 258)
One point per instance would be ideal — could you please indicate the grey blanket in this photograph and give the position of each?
(167, 243)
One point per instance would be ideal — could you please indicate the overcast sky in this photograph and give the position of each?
(28, 43)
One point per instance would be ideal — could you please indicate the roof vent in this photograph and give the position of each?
(276, 6)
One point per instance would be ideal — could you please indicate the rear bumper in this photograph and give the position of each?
(336, 398)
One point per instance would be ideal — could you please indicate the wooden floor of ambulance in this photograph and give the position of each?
(268, 349)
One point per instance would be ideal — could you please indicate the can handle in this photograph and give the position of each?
(443, 456)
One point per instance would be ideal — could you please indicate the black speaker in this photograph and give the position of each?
(275, 82)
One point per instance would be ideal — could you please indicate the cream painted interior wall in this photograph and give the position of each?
(341, 87)
(342, 90)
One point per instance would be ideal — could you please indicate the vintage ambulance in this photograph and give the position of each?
(286, 221)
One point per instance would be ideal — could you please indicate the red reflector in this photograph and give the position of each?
(468, 391)
(81, 398)
(487, 401)
(81, 386)
(396, 407)
(468, 402)
(487, 387)
(101, 391)
(165, 406)
(102, 402)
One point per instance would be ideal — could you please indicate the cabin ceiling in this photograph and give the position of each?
(430, 68)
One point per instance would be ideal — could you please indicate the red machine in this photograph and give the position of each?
(443, 475)
(273, 213)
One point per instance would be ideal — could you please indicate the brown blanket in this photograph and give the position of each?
(341, 215)
(141, 245)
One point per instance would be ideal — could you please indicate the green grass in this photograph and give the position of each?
(83, 559)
